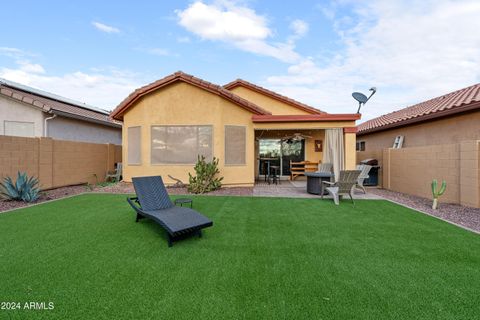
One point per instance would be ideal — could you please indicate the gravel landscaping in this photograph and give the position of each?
(121, 187)
(125, 187)
(464, 216)
(45, 196)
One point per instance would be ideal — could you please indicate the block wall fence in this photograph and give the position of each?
(57, 163)
(411, 170)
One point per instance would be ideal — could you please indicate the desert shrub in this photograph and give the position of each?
(23, 189)
(206, 176)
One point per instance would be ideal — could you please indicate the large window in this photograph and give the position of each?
(19, 128)
(134, 145)
(180, 144)
(235, 145)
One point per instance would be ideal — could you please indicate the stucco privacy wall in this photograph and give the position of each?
(56, 163)
(453, 129)
(183, 104)
(118, 154)
(411, 171)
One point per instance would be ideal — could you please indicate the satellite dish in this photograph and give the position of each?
(360, 97)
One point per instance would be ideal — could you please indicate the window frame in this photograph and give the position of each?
(22, 122)
(225, 146)
(359, 144)
(140, 146)
(182, 125)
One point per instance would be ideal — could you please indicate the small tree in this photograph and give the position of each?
(206, 176)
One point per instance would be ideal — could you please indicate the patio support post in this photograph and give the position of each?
(350, 139)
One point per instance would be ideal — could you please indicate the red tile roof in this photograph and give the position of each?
(53, 104)
(273, 95)
(181, 76)
(462, 100)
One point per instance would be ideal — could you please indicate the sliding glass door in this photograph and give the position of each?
(276, 152)
(292, 150)
(269, 154)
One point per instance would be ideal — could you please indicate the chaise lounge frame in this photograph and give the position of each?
(152, 201)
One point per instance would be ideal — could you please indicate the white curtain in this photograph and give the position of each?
(334, 151)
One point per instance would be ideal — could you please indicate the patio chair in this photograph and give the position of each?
(345, 185)
(115, 175)
(325, 167)
(152, 201)
(365, 169)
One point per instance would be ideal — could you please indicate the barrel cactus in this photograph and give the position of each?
(24, 189)
(437, 193)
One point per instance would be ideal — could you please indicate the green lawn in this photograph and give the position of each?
(264, 258)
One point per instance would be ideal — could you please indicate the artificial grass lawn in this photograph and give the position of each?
(264, 258)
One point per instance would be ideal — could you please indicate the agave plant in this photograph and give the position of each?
(24, 189)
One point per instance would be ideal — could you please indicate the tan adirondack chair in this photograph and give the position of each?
(365, 169)
(114, 175)
(345, 185)
(325, 167)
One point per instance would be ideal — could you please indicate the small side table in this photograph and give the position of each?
(182, 201)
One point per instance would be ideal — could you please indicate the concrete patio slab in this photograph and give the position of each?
(297, 189)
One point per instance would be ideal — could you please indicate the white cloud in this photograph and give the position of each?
(105, 28)
(104, 88)
(299, 27)
(216, 22)
(411, 52)
(15, 53)
(237, 25)
(159, 51)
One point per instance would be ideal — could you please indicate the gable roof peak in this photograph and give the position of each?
(272, 94)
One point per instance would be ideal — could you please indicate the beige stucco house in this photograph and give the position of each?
(440, 140)
(169, 122)
(29, 112)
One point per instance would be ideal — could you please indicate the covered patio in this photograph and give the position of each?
(288, 150)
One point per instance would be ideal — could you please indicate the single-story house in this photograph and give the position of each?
(29, 112)
(434, 139)
(169, 122)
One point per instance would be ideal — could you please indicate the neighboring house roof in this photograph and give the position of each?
(459, 101)
(181, 76)
(54, 104)
(273, 95)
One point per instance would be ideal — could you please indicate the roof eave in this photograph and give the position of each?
(86, 119)
(305, 118)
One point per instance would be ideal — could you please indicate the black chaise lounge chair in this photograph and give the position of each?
(152, 201)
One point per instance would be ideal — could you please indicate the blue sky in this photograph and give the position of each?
(315, 51)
